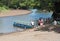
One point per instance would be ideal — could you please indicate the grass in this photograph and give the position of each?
(3, 9)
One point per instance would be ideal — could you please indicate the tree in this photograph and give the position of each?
(29, 4)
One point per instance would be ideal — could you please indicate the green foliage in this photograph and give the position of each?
(28, 4)
(3, 8)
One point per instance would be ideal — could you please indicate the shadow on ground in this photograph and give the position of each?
(57, 29)
(49, 29)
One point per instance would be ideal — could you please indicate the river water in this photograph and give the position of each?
(6, 23)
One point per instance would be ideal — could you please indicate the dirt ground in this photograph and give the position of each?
(31, 35)
(14, 12)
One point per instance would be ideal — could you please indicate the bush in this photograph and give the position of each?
(3, 8)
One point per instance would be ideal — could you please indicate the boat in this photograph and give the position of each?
(22, 24)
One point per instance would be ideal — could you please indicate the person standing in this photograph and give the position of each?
(55, 22)
(32, 23)
(41, 22)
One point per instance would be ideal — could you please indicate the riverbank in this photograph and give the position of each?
(14, 12)
(31, 35)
